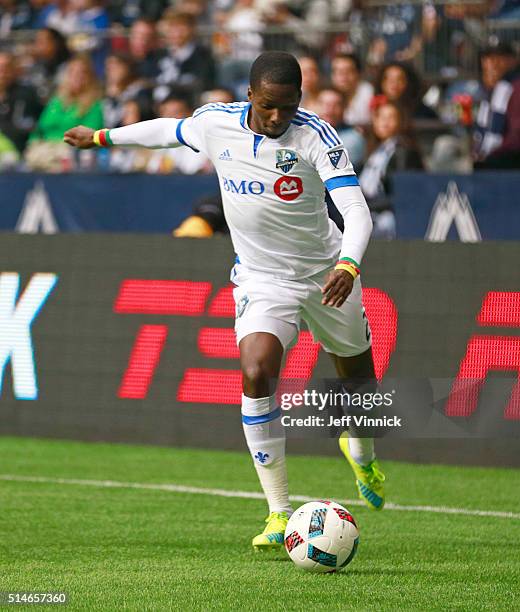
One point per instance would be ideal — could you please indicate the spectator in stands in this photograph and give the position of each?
(122, 84)
(61, 15)
(245, 25)
(296, 33)
(346, 77)
(143, 49)
(216, 95)
(13, 16)
(132, 159)
(140, 109)
(206, 219)
(396, 33)
(177, 105)
(91, 32)
(127, 12)
(331, 104)
(391, 148)
(311, 82)
(183, 160)
(198, 9)
(19, 104)
(77, 101)
(50, 54)
(237, 43)
(497, 130)
(400, 84)
(188, 63)
(92, 15)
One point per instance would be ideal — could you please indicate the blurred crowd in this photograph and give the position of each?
(407, 86)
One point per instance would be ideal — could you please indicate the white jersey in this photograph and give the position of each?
(273, 188)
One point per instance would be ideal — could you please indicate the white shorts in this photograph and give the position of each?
(276, 306)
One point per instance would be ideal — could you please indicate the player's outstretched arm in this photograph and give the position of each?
(352, 205)
(154, 134)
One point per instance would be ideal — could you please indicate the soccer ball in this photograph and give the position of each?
(321, 536)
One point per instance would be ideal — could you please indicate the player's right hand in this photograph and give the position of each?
(81, 137)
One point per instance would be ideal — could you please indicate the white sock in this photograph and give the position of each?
(265, 437)
(362, 450)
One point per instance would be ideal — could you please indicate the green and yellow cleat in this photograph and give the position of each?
(272, 536)
(369, 478)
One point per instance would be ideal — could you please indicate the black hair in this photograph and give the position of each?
(276, 67)
(145, 106)
(413, 92)
(62, 51)
(178, 93)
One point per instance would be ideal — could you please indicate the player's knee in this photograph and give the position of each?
(256, 378)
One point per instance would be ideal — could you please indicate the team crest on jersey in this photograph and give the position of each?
(338, 158)
(286, 159)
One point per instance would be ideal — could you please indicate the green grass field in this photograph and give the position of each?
(114, 548)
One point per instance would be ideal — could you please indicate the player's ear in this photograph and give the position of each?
(249, 93)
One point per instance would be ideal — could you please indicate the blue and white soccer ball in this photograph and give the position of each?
(321, 536)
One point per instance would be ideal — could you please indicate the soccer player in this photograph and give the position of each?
(273, 160)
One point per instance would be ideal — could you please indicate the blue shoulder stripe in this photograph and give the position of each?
(324, 136)
(326, 126)
(330, 143)
(328, 136)
(341, 181)
(180, 137)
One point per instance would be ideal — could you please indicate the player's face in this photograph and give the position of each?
(273, 107)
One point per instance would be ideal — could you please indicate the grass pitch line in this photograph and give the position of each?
(172, 488)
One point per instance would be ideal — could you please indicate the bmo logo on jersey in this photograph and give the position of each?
(288, 188)
(243, 187)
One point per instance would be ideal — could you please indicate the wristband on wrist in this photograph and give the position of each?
(102, 138)
(350, 265)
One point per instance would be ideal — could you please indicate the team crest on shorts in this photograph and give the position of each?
(241, 306)
(338, 158)
(286, 159)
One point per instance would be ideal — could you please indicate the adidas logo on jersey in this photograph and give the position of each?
(225, 156)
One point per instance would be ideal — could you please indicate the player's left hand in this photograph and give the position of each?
(337, 288)
(81, 137)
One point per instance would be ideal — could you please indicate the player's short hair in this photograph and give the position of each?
(276, 67)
